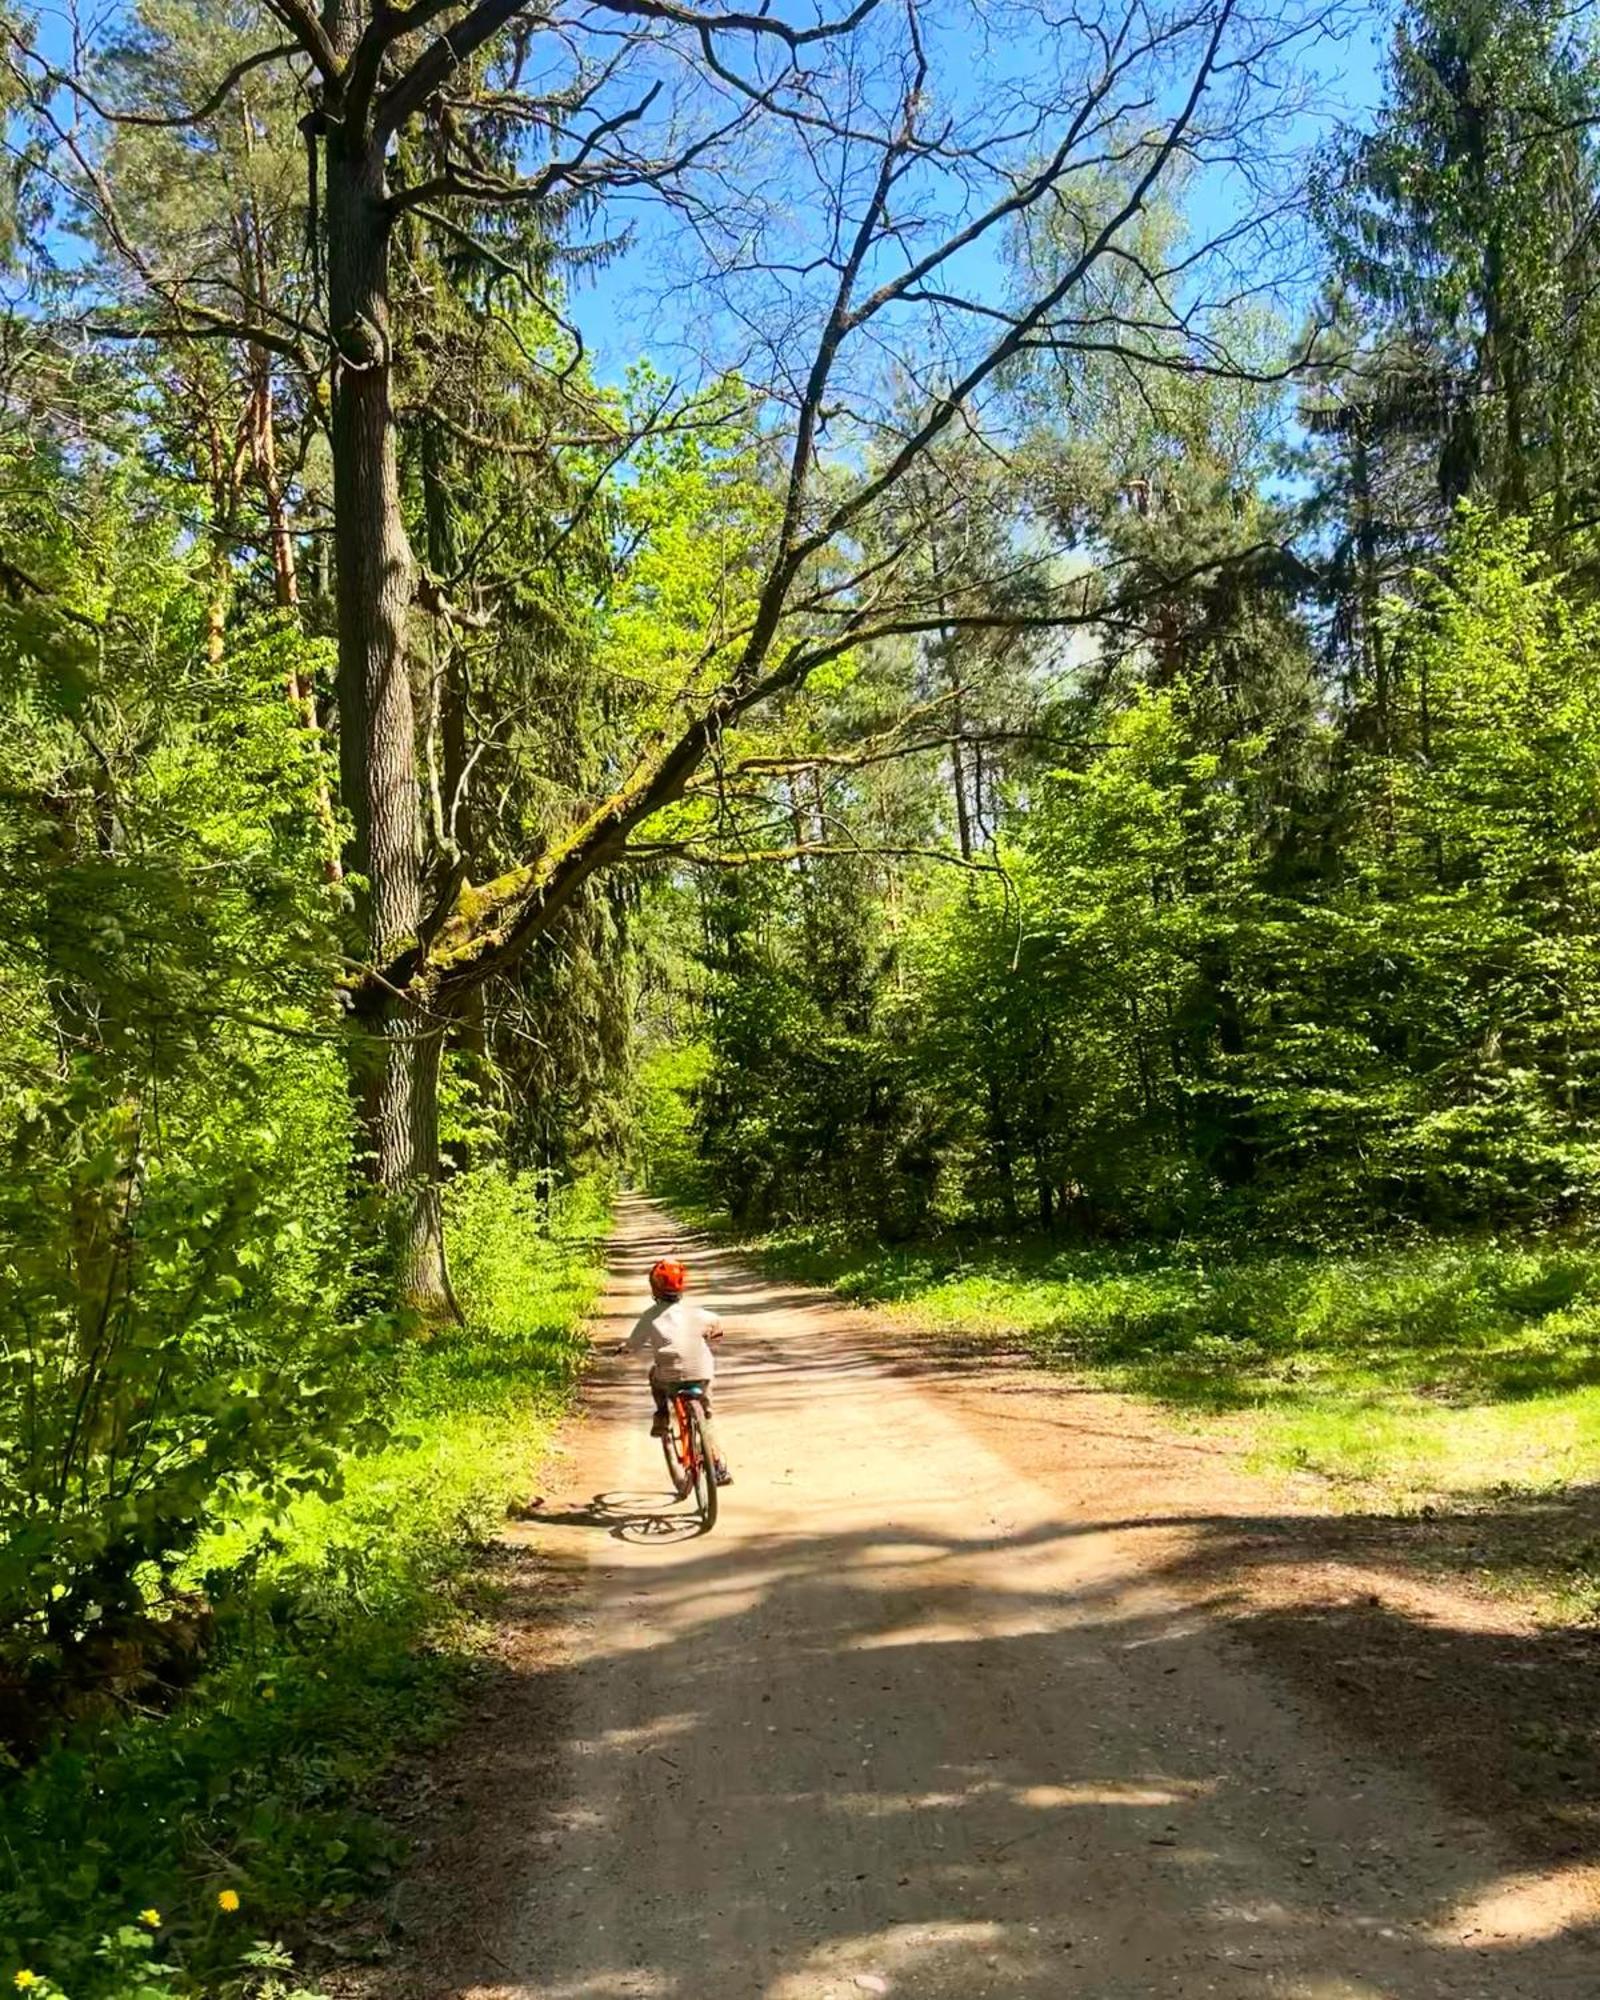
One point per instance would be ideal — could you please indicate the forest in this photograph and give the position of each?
(961, 635)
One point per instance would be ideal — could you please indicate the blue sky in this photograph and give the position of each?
(624, 310)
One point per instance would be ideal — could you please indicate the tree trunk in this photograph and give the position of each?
(1235, 1145)
(947, 646)
(263, 444)
(425, 1269)
(285, 576)
(444, 556)
(958, 778)
(220, 575)
(377, 722)
(1001, 1147)
(1044, 1188)
(1369, 593)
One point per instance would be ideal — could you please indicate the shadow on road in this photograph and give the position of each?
(1036, 1815)
(628, 1517)
(965, 1756)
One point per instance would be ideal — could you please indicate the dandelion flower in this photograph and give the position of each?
(228, 1899)
(25, 1979)
(152, 1918)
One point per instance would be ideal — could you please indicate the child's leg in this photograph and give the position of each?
(658, 1426)
(709, 1431)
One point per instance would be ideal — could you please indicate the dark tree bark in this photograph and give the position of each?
(398, 1077)
(1001, 1147)
(377, 760)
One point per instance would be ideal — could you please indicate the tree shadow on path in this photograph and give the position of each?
(883, 1754)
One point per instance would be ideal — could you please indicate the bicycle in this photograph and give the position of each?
(683, 1445)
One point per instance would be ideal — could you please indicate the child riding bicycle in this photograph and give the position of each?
(679, 1338)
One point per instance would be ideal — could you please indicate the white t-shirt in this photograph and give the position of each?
(674, 1334)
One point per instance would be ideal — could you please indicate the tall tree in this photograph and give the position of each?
(1465, 223)
(898, 174)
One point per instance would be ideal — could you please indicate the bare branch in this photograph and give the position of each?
(61, 79)
(303, 23)
(863, 760)
(468, 185)
(945, 410)
(17, 583)
(206, 325)
(758, 857)
(735, 21)
(438, 63)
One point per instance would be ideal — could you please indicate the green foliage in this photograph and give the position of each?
(807, 1110)
(1430, 1013)
(694, 520)
(133, 1959)
(1274, 929)
(1226, 975)
(342, 1633)
(176, 1301)
(661, 1128)
(1462, 223)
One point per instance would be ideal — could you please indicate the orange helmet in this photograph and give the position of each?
(668, 1279)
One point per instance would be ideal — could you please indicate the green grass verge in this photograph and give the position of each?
(344, 1638)
(1438, 1368)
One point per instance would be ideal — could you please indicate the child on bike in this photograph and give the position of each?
(679, 1338)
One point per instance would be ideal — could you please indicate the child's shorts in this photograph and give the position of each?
(661, 1390)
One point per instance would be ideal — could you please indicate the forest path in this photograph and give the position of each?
(941, 1708)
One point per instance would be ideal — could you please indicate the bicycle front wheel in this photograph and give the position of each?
(705, 1473)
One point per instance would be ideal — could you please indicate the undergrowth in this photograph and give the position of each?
(153, 1853)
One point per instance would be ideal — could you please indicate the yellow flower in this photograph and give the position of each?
(25, 1979)
(152, 1918)
(228, 1899)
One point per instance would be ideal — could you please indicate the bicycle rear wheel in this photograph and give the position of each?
(677, 1449)
(705, 1473)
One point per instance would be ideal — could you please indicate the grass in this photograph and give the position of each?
(1447, 1392)
(1402, 1371)
(344, 1638)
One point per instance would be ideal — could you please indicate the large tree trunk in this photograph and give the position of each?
(403, 1116)
(377, 723)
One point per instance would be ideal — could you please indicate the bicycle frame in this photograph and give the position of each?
(685, 1436)
(684, 1446)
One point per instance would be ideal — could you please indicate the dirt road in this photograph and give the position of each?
(931, 1713)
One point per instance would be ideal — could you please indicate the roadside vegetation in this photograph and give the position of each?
(339, 1637)
(1440, 1401)
(1397, 1372)
(1247, 1060)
